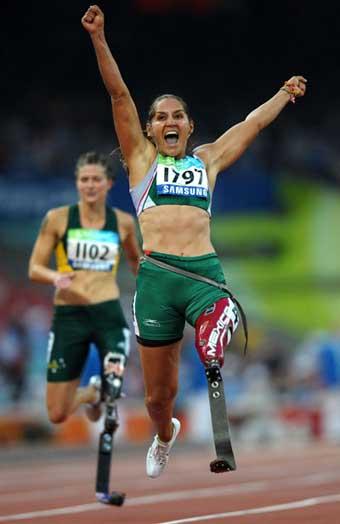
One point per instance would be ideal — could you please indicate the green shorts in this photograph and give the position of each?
(165, 300)
(74, 328)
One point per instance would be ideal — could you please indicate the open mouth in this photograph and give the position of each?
(171, 138)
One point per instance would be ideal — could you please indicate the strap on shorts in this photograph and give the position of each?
(207, 280)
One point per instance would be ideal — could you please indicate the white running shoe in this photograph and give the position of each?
(158, 454)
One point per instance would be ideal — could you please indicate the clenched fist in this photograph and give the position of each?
(295, 87)
(93, 19)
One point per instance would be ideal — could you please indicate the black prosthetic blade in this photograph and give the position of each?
(104, 462)
(225, 460)
(105, 452)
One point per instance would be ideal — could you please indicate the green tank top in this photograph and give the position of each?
(87, 248)
(182, 181)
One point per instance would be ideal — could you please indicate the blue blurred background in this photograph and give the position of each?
(275, 212)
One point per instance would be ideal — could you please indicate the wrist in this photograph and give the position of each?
(290, 89)
(98, 37)
(62, 281)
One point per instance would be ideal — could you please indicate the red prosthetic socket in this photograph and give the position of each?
(214, 328)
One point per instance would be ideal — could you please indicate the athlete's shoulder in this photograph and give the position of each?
(56, 212)
(57, 216)
(202, 153)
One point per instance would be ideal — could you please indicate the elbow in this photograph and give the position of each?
(32, 273)
(120, 95)
(259, 126)
(256, 124)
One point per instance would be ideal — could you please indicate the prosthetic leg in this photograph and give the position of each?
(214, 329)
(111, 393)
(225, 460)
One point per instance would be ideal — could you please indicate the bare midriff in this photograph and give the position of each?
(176, 230)
(88, 287)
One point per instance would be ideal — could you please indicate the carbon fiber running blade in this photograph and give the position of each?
(104, 462)
(225, 460)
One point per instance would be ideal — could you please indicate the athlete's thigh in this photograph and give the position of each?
(110, 330)
(61, 394)
(156, 317)
(68, 346)
(160, 366)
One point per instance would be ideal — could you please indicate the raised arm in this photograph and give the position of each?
(136, 149)
(229, 147)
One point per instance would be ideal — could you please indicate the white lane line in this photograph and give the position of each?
(69, 491)
(246, 487)
(53, 512)
(141, 501)
(44, 494)
(327, 499)
(63, 474)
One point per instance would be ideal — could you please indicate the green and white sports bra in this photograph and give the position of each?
(182, 181)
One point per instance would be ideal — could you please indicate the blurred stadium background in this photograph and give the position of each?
(275, 215)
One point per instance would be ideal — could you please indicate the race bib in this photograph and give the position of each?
(185, 177)
(92, 249)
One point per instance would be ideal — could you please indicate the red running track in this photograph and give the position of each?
(299, 485)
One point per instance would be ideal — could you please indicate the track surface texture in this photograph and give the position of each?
(298, 485)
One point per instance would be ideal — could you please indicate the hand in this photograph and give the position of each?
(93, 20)
(63, 280)
(296, 85)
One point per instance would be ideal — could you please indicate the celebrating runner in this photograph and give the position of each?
(172, 190)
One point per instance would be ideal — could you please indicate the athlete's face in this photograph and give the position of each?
(92, 183)
(170, 128)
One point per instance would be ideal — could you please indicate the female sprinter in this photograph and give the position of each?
(86, 238)
(172, 192)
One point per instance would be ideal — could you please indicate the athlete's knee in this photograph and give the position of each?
(160, 398)
(214, 329)
(58, 405)
(57, 414)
